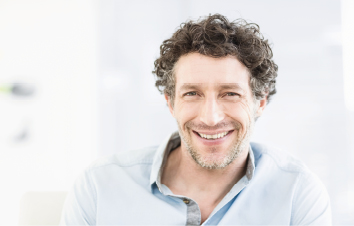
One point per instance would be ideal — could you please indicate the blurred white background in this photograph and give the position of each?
(86, 66)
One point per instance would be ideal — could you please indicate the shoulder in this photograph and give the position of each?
(280, 167)
(281, 159)
(310, 200)
(125, 159)
(109, 172)
(274, 159)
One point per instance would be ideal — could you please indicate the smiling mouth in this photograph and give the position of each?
(213, 136)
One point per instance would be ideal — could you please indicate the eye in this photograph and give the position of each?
(190, 94)
(232, 94)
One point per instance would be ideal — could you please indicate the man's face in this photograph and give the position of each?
(214, 108)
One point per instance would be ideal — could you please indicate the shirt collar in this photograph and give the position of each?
(172, 142)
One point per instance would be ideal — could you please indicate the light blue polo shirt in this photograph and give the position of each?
(125, 189)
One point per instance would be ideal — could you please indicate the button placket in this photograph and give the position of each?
(193, 212)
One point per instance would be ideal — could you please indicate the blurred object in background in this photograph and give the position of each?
(22, 126)
(18, 89)
(22, 89)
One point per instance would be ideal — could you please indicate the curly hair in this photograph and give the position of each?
(215, 36)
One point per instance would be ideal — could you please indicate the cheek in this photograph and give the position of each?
(186, 111)
(240, 112)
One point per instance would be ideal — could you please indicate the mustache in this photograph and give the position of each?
(221, 125)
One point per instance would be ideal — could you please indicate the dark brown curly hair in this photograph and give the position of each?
(215, 36)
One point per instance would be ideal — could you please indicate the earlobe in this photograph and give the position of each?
(169, 104)
(261, 107)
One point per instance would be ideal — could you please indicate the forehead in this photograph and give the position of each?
(196, 68)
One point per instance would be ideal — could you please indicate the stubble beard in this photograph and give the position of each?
(211, 163)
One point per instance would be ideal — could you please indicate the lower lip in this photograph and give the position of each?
(213, 142)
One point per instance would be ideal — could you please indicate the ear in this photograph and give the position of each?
(169, 104)
(262, 105)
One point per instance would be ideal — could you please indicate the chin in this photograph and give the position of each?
(215, 157)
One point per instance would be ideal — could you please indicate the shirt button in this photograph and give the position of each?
(186, 201)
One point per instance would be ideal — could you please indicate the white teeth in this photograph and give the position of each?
(214, 136)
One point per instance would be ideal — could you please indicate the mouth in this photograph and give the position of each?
(213, 137)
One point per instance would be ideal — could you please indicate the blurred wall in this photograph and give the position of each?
(307, 117)
(49, 136)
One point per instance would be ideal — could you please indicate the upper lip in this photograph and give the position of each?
(212, 132)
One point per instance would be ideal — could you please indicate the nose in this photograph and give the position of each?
(211, 113)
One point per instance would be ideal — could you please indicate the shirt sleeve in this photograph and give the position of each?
(311, 204)
(80, 204)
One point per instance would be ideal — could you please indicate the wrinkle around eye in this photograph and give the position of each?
(232, 99)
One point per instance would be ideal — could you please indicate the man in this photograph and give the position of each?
(217, 77)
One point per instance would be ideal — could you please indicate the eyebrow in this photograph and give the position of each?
(188, 86)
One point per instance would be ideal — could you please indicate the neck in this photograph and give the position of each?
(185, 177)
